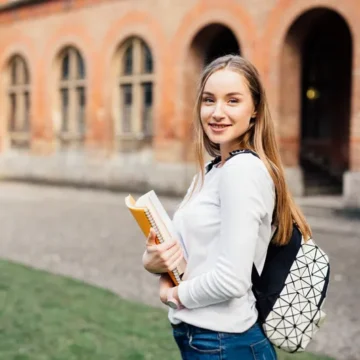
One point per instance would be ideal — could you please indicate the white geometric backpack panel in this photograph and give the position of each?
(296, 315)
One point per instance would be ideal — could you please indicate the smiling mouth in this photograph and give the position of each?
(219, 126)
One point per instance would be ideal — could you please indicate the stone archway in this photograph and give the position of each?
(210, 42)
(315, 99)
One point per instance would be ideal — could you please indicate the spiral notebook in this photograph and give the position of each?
(150, 213)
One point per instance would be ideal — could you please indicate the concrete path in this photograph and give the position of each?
(90, 235)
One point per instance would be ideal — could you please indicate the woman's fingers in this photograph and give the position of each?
(175, 260)
(161, 249)
(168, 254)
(165, 256)
(171, 261)
(167, 245)
(151, 238)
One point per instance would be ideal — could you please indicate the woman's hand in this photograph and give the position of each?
(165, 284)
(161, 258)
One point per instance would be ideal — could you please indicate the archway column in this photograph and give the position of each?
(288, 130)
(168, 139)
(352, 177)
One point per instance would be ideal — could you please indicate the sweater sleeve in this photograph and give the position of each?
(246, 192)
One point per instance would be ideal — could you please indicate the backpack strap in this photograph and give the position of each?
(212, 163)
(242, 151)
(217, 159)
(255, 277)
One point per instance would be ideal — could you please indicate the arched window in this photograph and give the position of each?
(135, 89)
(19, 103)
(72, 93)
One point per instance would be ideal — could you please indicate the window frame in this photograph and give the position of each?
(75, 131)
(19, 90)
(137, 79)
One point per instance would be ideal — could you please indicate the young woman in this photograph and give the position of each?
(226, 220)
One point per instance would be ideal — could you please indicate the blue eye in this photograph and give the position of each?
(207, 100)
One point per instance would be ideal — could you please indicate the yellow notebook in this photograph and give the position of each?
(149, 213)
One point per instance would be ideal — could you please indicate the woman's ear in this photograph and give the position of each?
(253, 117)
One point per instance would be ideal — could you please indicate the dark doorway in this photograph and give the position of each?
(325, 102)
(210, 42)
(222, 43)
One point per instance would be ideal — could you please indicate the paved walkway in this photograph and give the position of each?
(90, 235)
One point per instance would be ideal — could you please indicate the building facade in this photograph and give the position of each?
(101, 92)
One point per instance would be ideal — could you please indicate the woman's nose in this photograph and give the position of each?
(218, 113)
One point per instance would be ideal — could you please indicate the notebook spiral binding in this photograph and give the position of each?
(159, 236)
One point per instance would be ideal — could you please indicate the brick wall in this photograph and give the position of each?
(98, 27)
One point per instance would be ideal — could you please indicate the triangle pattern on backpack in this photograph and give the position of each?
(296, 315)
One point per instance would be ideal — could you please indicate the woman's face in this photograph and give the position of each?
(226, 108)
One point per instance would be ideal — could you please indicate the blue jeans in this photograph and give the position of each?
(200, 344)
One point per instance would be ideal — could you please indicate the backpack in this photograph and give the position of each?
(291, 289)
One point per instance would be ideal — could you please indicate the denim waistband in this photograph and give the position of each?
(199, 329)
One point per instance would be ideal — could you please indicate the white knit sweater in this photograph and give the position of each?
(226, 227)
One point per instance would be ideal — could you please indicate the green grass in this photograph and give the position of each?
(48, 317)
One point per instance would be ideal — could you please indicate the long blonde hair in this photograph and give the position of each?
(260, 137)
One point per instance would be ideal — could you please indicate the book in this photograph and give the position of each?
(150, 213)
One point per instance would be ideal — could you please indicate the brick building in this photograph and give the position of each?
(101, 92)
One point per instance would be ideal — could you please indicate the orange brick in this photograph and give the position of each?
(97, 28)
